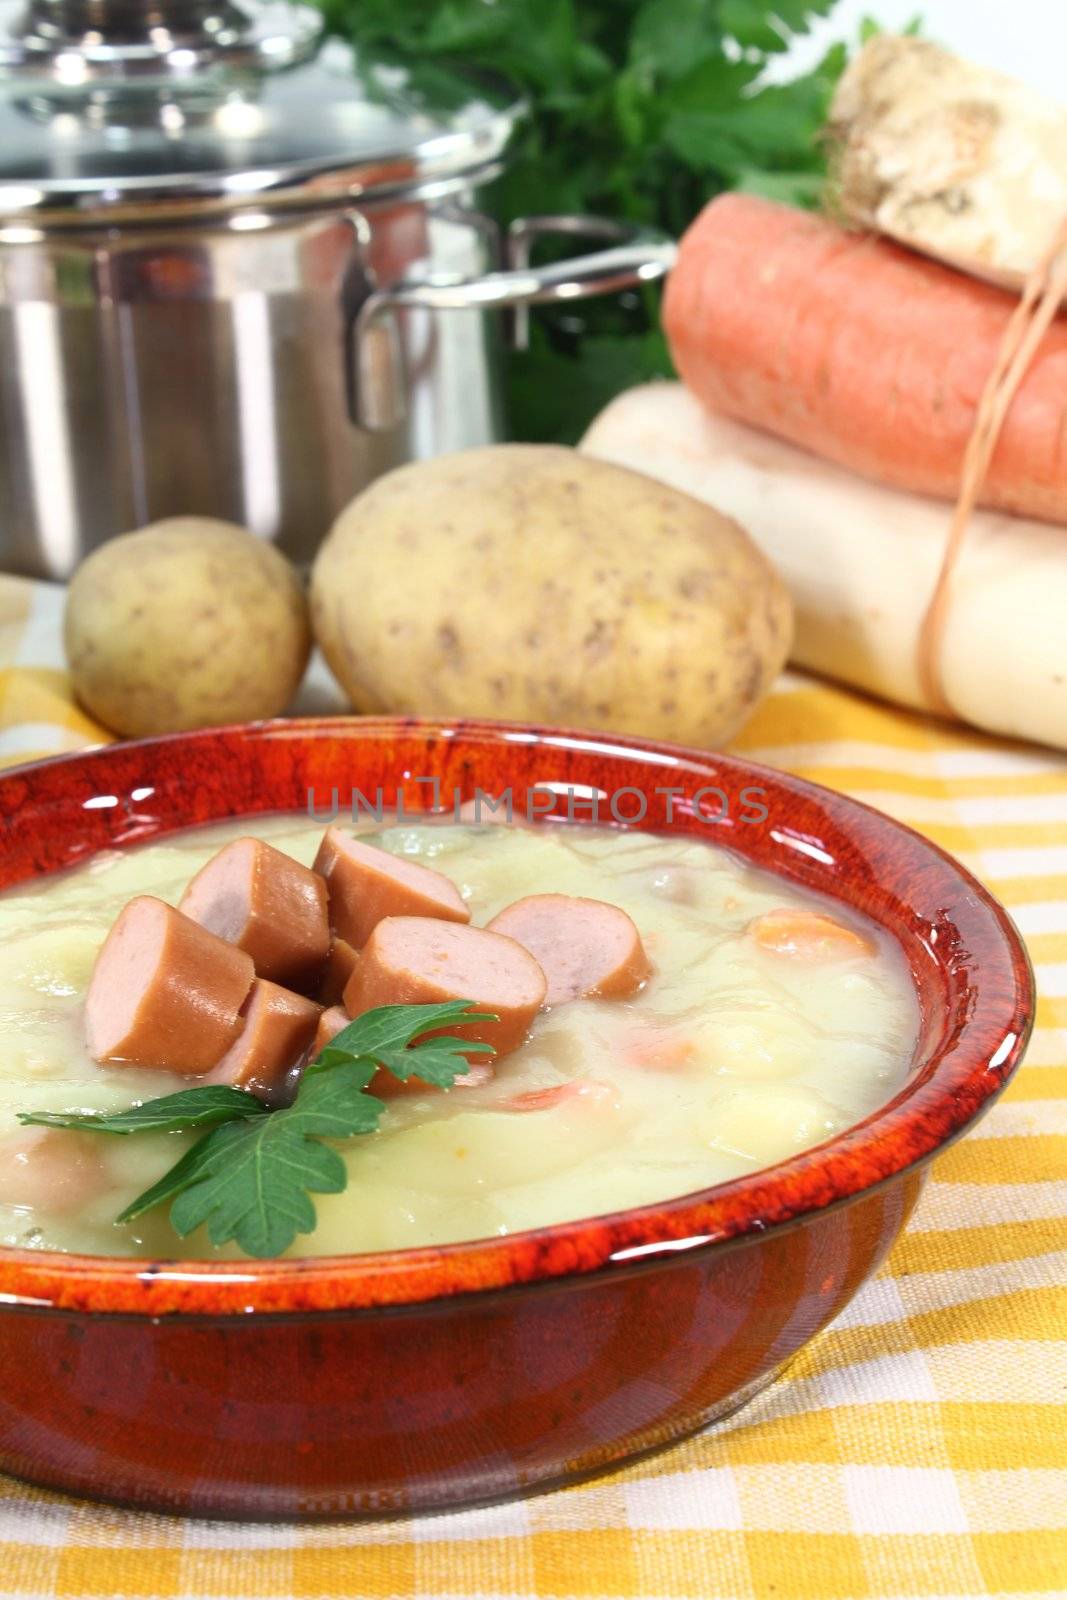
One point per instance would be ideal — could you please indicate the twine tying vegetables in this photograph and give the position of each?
(1030, 321)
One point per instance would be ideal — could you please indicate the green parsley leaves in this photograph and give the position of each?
(250, 1178)
(641, 110)
(255, 1185)
(189, 1108)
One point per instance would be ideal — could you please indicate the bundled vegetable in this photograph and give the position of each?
(861, 560)
(866, 354)
(912, 371)
(950, 158)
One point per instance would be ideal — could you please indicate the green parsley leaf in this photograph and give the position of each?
(791, 188)
(612, 131)
(387, 1033)
(870, 28)
(256, 1188)
(757, 128)
(189, 1108)
(251, 1176)
(742, 17)
(192, 1165)
(670, 35)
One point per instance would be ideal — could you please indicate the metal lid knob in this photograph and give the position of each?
(80, 41)
(131, 110)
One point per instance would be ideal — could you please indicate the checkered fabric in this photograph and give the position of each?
(918, 1448)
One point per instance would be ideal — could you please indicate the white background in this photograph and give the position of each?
(1027, 38)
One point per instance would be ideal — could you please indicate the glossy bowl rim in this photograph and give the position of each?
(924, 1116)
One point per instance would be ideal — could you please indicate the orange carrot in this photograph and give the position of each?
(557, 1094)
(658, 1051)
(807, 936)
(861, 352)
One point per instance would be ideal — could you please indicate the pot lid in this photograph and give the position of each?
(113, 104)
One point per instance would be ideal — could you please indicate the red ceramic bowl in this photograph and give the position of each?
(425, 1378)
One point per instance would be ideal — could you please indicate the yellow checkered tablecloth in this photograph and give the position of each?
(919, 1448)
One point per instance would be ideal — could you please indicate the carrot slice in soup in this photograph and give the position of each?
(807, 936)
(558, 1094)
(658, 1051)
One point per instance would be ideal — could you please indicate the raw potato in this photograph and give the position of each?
(188, 623)
(531, 582)
(861, 562)
(950, 158)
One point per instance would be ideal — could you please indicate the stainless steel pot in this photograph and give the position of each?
(238, 278)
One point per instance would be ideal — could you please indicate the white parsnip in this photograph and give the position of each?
(861, 560)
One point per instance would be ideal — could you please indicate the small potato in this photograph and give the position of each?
(188, 623)
(535, 583)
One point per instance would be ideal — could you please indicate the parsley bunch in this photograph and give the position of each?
(250, 1178)
(642, 110)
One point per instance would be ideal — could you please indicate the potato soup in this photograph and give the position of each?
(752, 1038)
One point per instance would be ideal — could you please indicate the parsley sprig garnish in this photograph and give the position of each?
(251, 1176)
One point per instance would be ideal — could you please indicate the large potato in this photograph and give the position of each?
(186, 624)
(534, 583)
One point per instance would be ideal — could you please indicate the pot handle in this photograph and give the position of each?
(643, 255)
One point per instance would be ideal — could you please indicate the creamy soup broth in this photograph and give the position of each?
(730, 1057)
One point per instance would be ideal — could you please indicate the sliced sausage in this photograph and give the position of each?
(165, 992)
(586, 948)
(267, 904)
(366, 884)
(278, 1028)
(422, 960)
(329, 1026)
(340, 964)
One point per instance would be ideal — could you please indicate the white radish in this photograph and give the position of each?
(861, 562)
